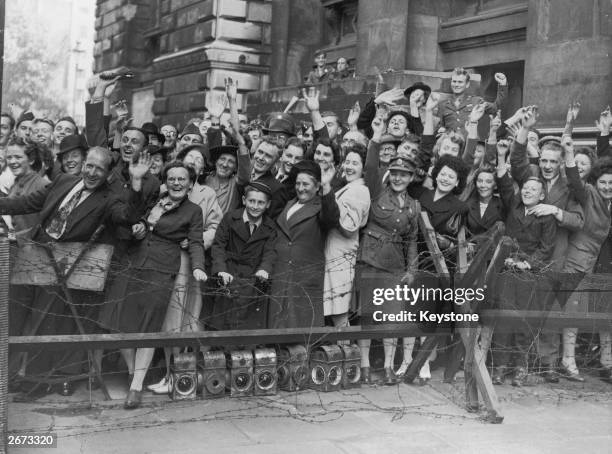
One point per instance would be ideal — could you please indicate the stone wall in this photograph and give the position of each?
(184, 49)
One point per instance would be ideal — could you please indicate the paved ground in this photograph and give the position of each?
(563, 418)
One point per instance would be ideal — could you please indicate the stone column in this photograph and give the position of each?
(381, 38)
(280, 38)
(568, 58)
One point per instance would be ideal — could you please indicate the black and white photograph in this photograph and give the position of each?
(340, 226)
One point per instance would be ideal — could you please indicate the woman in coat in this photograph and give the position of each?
(388, 250)
(155, 263)
(186, 301)
(343, 241)
(296, 296)
(583, 248)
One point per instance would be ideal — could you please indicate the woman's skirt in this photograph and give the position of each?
(185, 305)
(146, 302)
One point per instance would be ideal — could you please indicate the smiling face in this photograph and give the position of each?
(24, 130)
(291, 156)
(408, 150)
(178, 183)
(459, 83)
(72, 162)
(485, 183)
(62, 129)
(43, 133)
(95, 169)
(331, 122)
(584, 165)
(341, 64)
(532, 193)
(17, 160)
(400, 179)
(195, 160)
(321, 60)
(188, 139)
(447, 180)
(353, 167)
(386, 152)
(397, 126)
(132, 143)
(225, 165)
(324, 156)
(448, 147)
(604, 186)
(265, 157)
(550, 163)
(157, 164)
(170, 133)
(306, 187)
(256, 203)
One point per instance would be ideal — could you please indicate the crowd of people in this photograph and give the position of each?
(232, 224)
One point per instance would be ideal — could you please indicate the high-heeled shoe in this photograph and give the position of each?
(366, 376)
(133, 400)
(399, 373)
(390, 378)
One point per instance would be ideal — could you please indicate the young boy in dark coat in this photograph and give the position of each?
(243, 257)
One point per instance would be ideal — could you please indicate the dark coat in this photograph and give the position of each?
(559, 196)
(534, 235)
(100, 207)
(475, 223)
(119, 182)
(235, 252)
(297, 281)
(160, 250)
(442, 210)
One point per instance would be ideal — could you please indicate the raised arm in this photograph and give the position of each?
(502, 94)
(518, 151)
(570, 118)
(94, 113)
(472, 130)
(372, 176)
(604, 124)
(576, 185)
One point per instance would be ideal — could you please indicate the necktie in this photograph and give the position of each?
(57, 224)
(251, 228)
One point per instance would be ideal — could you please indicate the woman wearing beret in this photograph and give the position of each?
(297, 280)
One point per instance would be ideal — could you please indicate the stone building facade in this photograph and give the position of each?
(551, 51)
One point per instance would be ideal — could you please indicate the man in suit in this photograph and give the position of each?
(71, 209)
(455, 111)
(559, 203)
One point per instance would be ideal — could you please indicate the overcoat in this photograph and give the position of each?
(296, 296)
(240, 254)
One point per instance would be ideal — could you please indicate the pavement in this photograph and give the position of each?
(544, 418)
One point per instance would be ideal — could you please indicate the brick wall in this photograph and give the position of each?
(184, 49)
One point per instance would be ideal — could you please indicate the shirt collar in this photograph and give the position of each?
(245, 218)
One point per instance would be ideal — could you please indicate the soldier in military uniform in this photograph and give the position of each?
(455, 111)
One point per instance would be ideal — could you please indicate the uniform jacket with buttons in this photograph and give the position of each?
(389, 240)
(453, 117)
